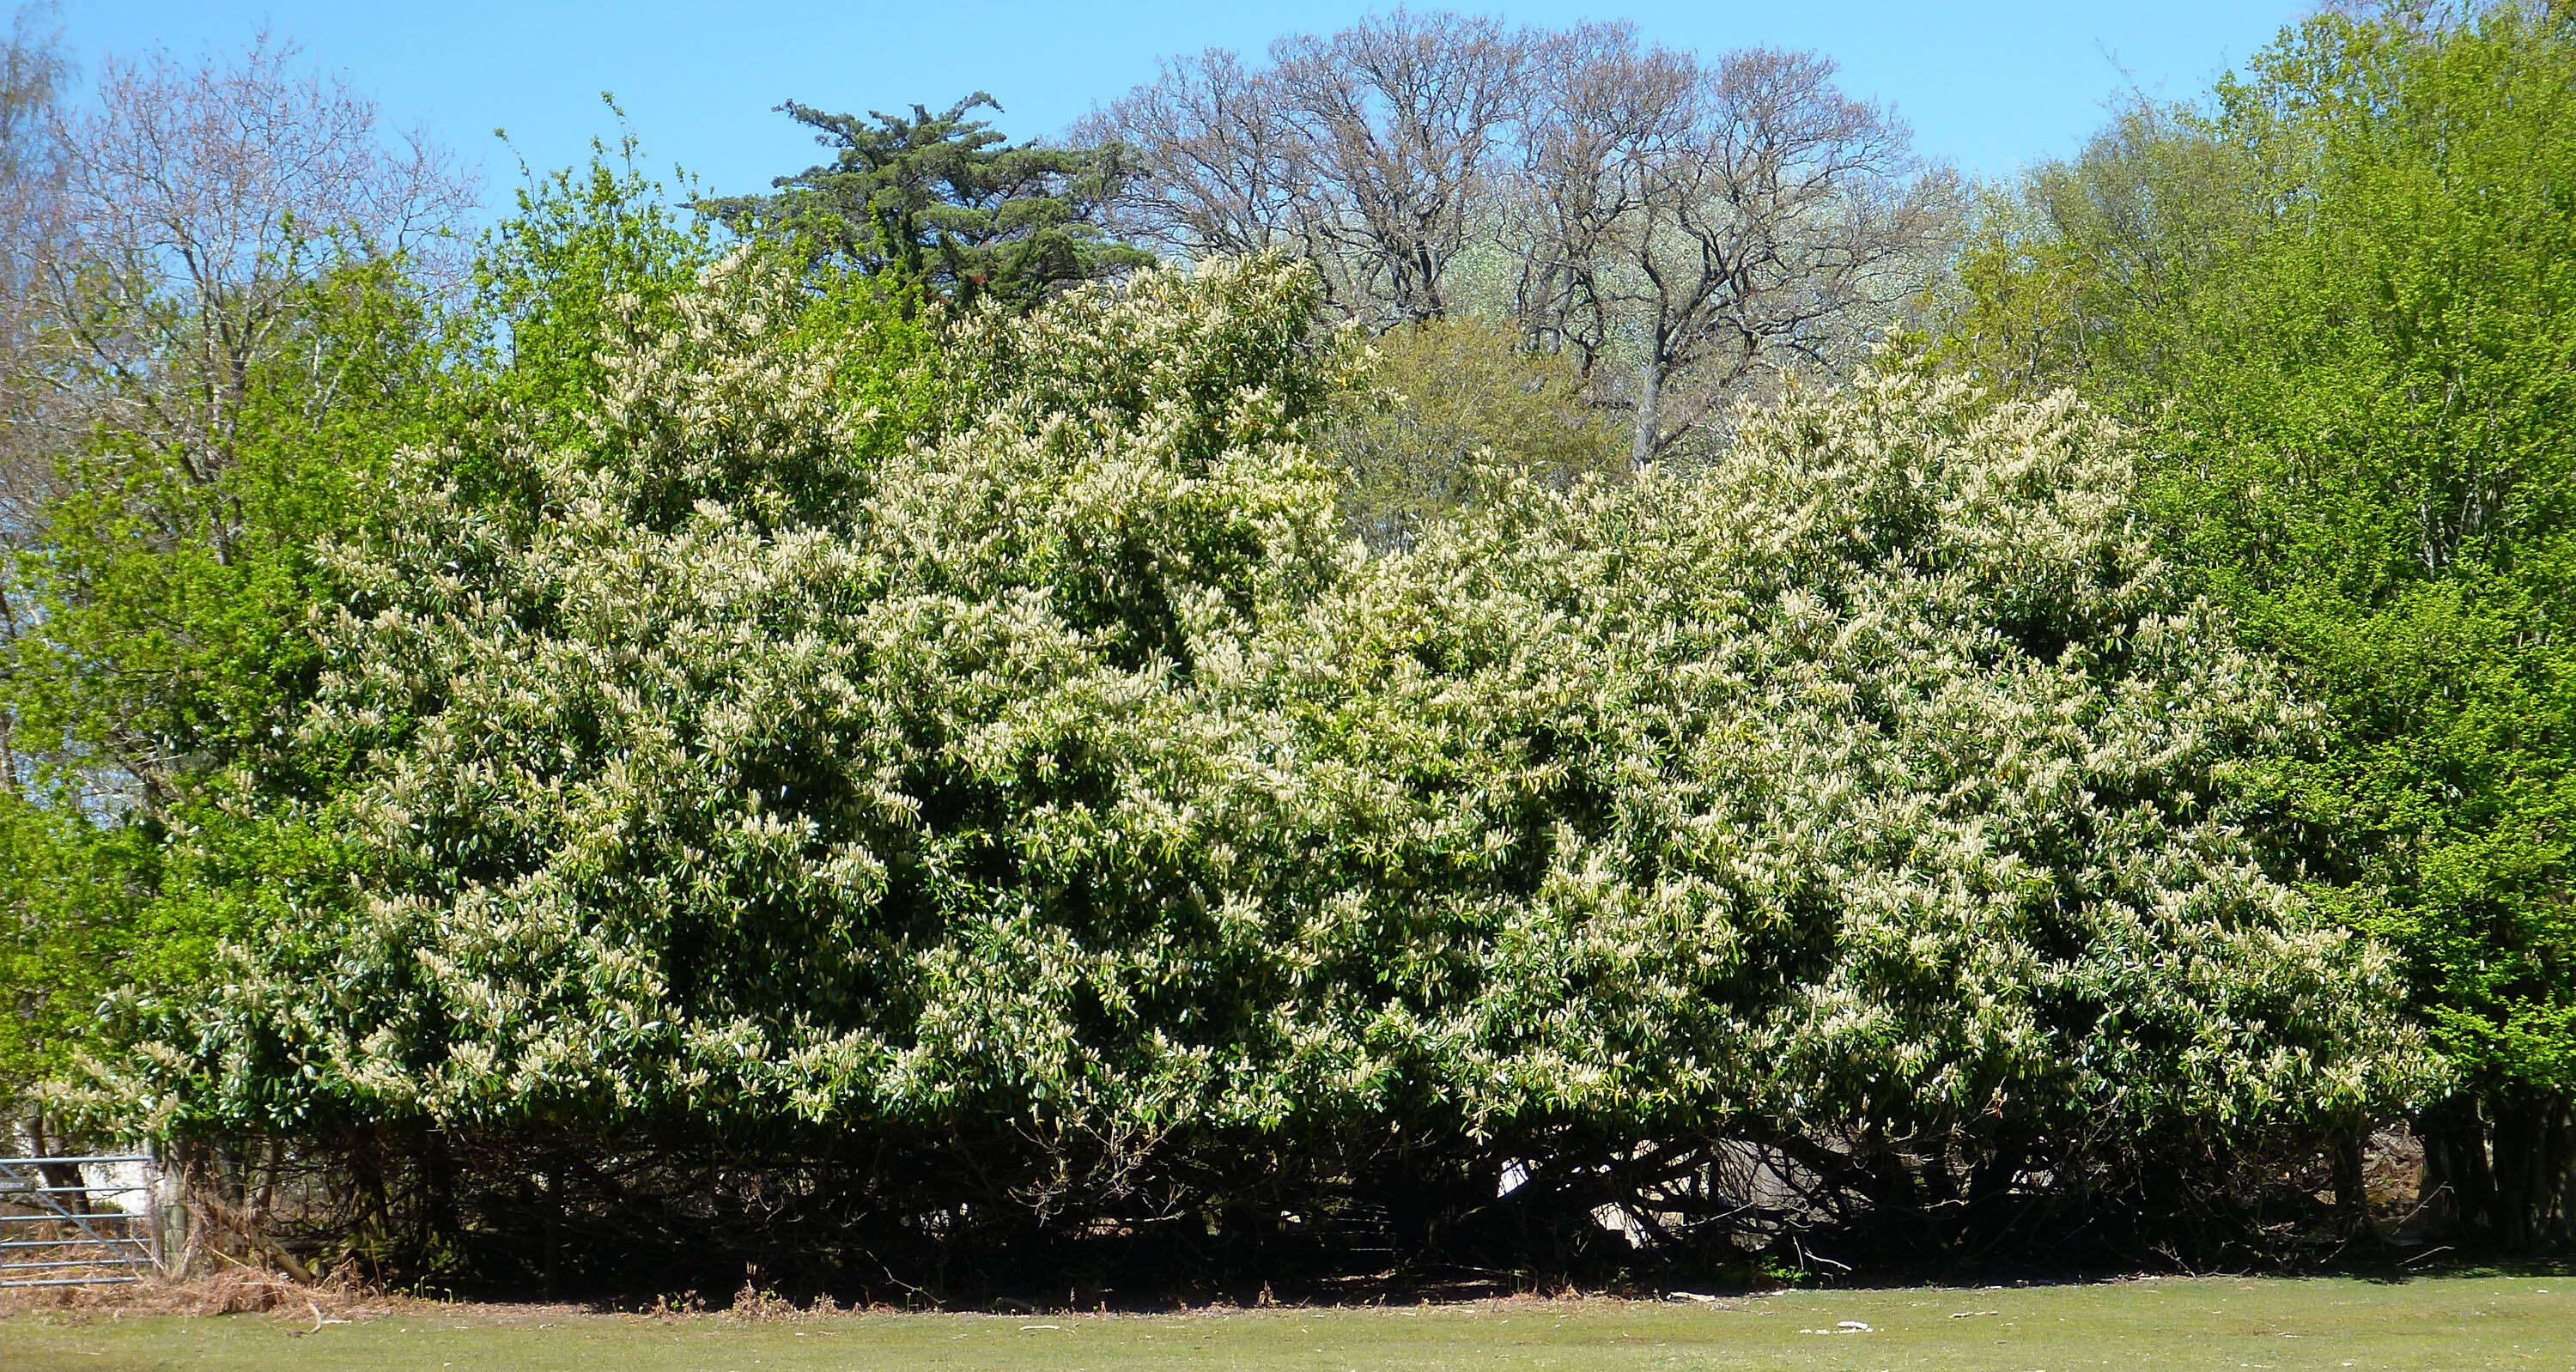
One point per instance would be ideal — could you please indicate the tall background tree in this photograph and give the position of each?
(1688, 232)
(944, 204)
(33, 73)
(227, 321)
(2342, 294)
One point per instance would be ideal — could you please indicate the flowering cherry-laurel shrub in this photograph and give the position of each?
(1050, 796)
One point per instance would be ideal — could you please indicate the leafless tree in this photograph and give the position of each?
(33, 72)
(1687, 230)
(1366, 150)
(196, 204)
(1224, 179)
(1784, 221)
(1400, 121)
(1609, 112)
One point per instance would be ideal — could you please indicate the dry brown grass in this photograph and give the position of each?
(234, 1291)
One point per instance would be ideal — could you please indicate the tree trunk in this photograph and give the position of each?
(67, 1175)
(2455, 1162)
(2351, 1182)
(2507, 1163)
(1650, 383)
(2516, 1172)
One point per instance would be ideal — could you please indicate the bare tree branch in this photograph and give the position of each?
(1365, 151)
(1688, 231)
(170, 241)
(1784, 221)
(196, 203)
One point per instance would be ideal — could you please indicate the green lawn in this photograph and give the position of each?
(2434, 1324)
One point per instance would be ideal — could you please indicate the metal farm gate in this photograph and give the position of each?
(56, 1233)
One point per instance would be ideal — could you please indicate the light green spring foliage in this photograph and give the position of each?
(156, 662)
(2079, 274)
(2341, 299)
(1454, 394)
(1068, 768)
(2378, 468)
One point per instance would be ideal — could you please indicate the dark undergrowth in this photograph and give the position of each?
(622, 1221)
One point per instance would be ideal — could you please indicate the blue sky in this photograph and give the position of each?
(1987, 86)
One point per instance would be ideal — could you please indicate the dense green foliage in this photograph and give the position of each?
(160, 660)
(2345, 297)
(943, 204)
